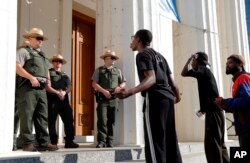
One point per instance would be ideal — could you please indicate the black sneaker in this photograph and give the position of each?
(71, 145)
(100, 145)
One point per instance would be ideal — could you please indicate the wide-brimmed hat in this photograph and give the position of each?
(35, 32)
(109, 53)
(57, 57)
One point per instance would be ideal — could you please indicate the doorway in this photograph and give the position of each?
(83, 65)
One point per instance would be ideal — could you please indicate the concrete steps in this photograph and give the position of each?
(192, 152)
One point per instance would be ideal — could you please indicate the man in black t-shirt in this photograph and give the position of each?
(160, 93)
(215, 149)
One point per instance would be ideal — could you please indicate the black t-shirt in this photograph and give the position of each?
(149, 59)
(207, 87)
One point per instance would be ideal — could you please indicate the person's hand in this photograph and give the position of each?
(117, 90)
(107, 94)
(192, 57)
(62, 95)
(122, 94)
(218, 102)
(59, 94)
(34, 82)
(177, 99)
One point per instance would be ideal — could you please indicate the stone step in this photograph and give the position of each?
(192, 152)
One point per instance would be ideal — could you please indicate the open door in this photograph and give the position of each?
(83, 64)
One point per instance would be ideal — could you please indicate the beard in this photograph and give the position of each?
(232, 70)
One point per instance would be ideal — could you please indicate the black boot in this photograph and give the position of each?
(71, 145)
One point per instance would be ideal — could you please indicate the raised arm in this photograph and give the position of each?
(185, 68)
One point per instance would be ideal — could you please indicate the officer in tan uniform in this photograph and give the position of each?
(31, 100)
(106, 81)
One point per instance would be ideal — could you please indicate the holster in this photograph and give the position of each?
(101, 97)
(42, 82)
(23, 81)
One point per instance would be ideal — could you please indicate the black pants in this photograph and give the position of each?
(57, 107)
(244, 140)
(161, 144)
(215, 149)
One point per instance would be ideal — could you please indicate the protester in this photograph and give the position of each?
(239, 104)
(160, 93)
(215, 148)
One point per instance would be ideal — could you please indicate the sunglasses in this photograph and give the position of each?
(58, 61)
(113, 58)
(39, 38)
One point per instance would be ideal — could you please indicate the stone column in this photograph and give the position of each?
(232, 35)
(197, 31)
(8, 16)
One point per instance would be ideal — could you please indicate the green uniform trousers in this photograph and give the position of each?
(32, 109)
(106, 121)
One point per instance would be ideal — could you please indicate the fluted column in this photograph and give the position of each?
(8, 12)
(197, 31)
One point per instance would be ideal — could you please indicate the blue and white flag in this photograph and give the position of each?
(168, 8)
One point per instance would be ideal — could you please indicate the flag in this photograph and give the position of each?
(168, 8)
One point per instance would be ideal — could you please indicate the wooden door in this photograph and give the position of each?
(83, 59)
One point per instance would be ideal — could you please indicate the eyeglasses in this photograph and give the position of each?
(132, 38)
(58, 61)
(39, 38)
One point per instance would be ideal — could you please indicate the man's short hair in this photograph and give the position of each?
(145, 36)
(202, 58)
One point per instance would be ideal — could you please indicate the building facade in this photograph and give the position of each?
(81, 30)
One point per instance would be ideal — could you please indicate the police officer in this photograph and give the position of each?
(58, 102)
(31, 99)
(106, 81)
